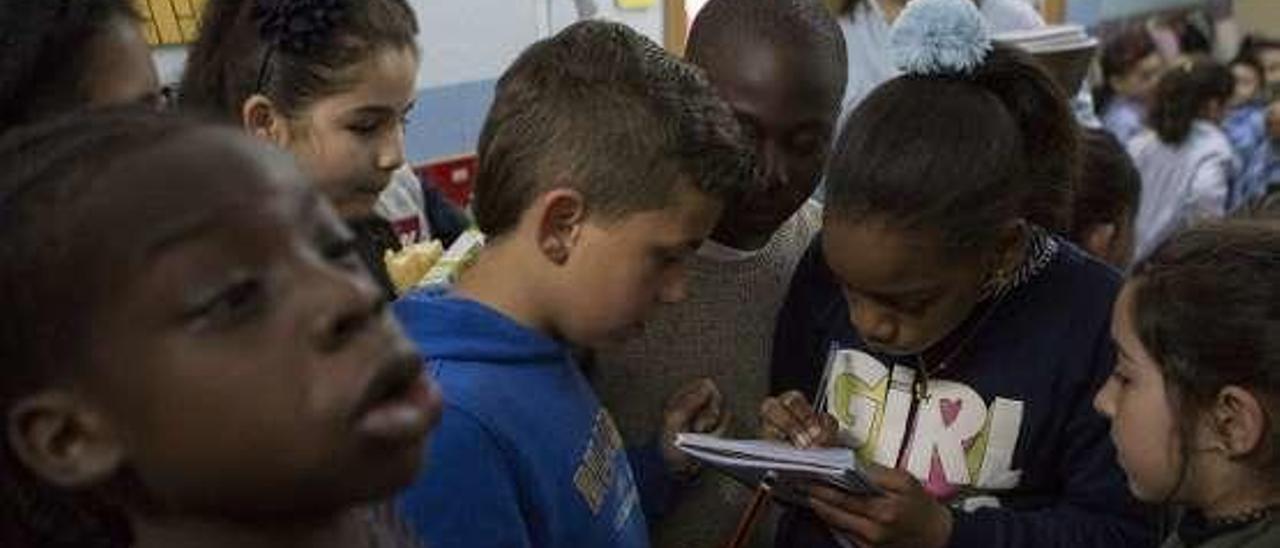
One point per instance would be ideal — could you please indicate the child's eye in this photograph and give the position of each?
(232, 304)
(1120, 378)
(911, 307)
(365, 127)
(342, 250)
(808, 143)
(671, 258)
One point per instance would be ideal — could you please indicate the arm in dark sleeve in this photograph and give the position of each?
(446, 220)
(813, 315)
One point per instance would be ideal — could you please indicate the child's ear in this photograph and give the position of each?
(1099, 240)
(1240, 422)
(1010, 241)
(63, 441)
(263, 120)
(560, 222)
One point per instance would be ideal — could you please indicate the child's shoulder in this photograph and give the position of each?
(452, 328)
(1075, 285)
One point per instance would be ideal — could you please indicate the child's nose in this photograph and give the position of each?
(1103, 401)
(391, 153)
(875, 324)
(350, 303)
(773, 165)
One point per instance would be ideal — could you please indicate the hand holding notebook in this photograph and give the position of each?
(787, 469)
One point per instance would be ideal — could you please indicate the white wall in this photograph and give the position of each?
(466, 44)
(470, 40)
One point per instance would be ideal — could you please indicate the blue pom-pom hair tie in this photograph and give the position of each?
(939, 37)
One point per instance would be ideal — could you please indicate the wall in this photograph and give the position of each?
(1253, 15)
(1261, 16)
(465, 53)
(1090, 12)
(466, 45)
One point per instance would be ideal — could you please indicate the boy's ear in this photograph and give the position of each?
(1099, 240)
(263, 120)
(563, 212)
(63, 441)
(1239, 422)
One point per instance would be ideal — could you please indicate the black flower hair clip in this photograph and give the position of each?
(297, 26)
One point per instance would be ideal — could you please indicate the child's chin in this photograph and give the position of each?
(1143, 494)
(392, 476)
(620, 336)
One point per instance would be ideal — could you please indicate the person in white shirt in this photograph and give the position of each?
(866, 24)
(1187, 163)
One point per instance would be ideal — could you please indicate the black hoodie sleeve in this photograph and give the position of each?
(805, 325)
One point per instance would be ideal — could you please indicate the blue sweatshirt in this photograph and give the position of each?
(1007, 436)
(524, 454)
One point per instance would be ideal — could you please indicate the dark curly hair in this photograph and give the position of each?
(604, 110)
(42, 70)
(291, 51)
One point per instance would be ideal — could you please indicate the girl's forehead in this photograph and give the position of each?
(190, 180)
(387, 78)
(888, 257)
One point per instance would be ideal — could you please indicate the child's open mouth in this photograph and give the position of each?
(401, 404)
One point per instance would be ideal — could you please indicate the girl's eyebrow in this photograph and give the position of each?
(162, 238)
(384, 110)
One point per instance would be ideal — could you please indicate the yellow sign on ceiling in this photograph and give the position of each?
(635, 4)
(170, 22)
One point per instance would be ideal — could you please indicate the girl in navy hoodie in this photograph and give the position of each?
(964, 340)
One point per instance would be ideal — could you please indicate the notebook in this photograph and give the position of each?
(782, 466)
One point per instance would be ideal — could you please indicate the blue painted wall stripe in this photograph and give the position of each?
(447, 120)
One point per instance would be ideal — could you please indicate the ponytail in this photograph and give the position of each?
(1183, 94)
(960, 154)
(1050, 135)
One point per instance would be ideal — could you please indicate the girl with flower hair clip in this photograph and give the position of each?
(964, 338)
(330, 81)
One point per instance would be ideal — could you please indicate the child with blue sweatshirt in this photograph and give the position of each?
(605, 163)
(965, 338)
